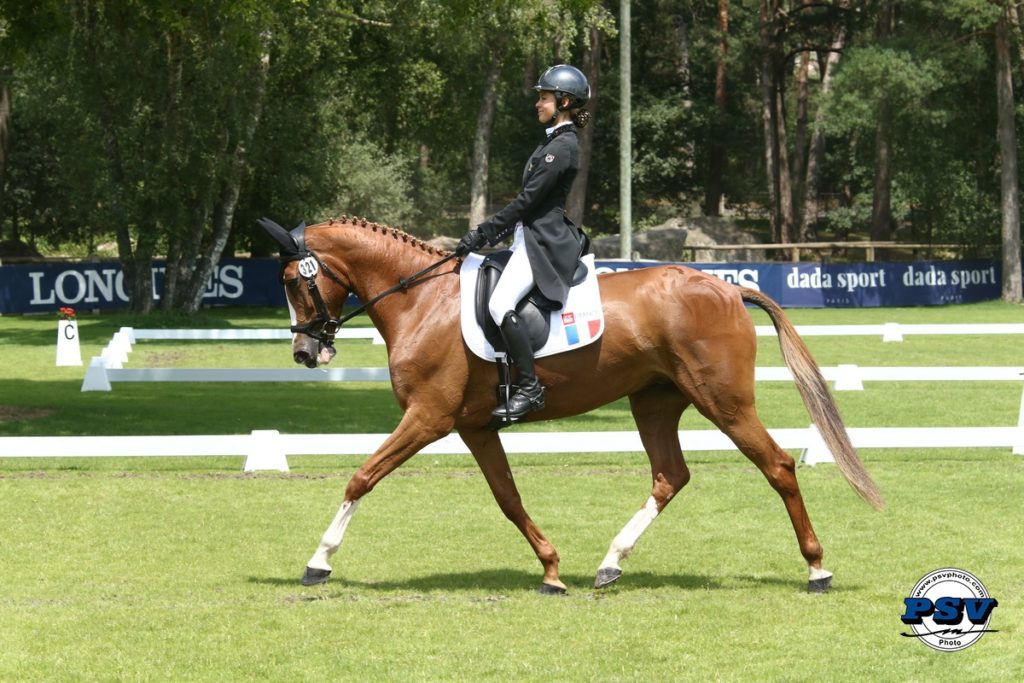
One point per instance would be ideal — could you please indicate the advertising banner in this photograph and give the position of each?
(854, 285)
(44, 287)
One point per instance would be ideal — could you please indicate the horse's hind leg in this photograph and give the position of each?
(657, 411)
(490, 456)
(750, 436)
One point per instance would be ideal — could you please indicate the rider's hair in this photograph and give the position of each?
(581, 117)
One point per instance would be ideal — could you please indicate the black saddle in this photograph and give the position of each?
(533, 311)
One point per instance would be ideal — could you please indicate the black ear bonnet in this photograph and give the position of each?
(291, 245)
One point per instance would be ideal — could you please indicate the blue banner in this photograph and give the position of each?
(45, 287)
(855, 285)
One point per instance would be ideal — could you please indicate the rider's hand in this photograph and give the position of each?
(471, 241)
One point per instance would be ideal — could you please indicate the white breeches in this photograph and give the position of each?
(515, 282)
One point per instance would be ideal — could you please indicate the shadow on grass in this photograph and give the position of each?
(505, 580)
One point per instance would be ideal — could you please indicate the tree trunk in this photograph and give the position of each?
(576, 202)
(1010, 204)
(768, 115)
(716, 151)
(1018, 36)
(482, 143)
(881, 203)
(800, 137)
(625, 131)
(816, 152)
(5, 120)
(231, 188)
(785, 196)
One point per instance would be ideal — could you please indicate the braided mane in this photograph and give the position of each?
(389, 231)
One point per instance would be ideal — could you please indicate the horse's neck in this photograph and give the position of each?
(377, 260)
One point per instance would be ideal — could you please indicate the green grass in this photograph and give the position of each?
(187, 569)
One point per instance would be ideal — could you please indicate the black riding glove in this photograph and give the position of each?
(471, 241)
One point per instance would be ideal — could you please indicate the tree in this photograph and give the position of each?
(1009, 179)
(816, 148)
(881, 206)
(716, 146)
(598, 23)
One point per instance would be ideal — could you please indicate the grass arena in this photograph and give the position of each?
(188, 569)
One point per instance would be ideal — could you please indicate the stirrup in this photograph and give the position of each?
(503, 415)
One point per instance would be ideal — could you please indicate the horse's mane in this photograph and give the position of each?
(386, 230)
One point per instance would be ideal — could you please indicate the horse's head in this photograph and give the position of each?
(312, 290)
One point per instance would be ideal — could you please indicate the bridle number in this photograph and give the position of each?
(308, 267)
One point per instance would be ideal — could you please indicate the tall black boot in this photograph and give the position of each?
(530, 395)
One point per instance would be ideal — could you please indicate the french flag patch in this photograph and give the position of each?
(569, 322)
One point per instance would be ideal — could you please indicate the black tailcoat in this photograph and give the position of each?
(552, 240)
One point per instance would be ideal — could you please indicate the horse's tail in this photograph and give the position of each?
(817, 399)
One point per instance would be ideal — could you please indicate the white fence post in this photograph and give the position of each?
(848, 378)
(1018, 448)
(96, 375)
(264, 452)
(816, 451)
(891, 332)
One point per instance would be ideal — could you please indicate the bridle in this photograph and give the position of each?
(324, 326)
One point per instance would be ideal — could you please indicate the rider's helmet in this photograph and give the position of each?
(565, 81)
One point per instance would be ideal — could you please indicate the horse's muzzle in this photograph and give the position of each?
(311, 352)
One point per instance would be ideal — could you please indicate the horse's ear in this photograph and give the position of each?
(285, 242)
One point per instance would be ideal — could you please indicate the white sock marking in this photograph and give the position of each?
(623, 544)
(331, 540)
(816, 573)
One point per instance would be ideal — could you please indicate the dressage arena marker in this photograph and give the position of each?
(68, 349)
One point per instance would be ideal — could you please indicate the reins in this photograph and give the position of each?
(328, 325)
(403, 284)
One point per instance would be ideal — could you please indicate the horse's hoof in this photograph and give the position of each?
(548, 589)
(606, 576)
(819, 585)
(314, 576)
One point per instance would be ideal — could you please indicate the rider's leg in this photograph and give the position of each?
(515, 283)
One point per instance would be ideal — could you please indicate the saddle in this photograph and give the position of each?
(534, 311)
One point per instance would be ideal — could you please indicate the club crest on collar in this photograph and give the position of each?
(308, 267)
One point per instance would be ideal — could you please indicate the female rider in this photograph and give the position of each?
(546, 244)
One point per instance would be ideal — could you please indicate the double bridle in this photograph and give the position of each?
(324, 326)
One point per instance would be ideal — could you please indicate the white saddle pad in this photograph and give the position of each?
(579, 323)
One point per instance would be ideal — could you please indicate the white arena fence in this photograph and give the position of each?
(268, 449)
(107, 367)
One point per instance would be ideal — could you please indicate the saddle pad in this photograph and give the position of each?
(579, 323)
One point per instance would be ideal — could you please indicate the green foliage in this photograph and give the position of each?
(135, 122)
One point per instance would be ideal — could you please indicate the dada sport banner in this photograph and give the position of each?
(45, 287)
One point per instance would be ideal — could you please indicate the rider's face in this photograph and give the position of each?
(546, 106)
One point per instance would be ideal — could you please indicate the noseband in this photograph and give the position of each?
(324, 326)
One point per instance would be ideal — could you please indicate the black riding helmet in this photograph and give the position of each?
(565, 81)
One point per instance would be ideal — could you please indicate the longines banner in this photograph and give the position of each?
(45, 287)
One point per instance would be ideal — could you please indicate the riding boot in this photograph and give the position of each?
(530, 395)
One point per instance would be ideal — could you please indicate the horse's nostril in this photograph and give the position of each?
(302, 357)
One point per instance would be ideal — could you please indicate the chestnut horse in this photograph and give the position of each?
(674, 337)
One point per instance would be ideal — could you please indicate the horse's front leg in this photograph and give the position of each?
(490, 456)
(412, 434)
